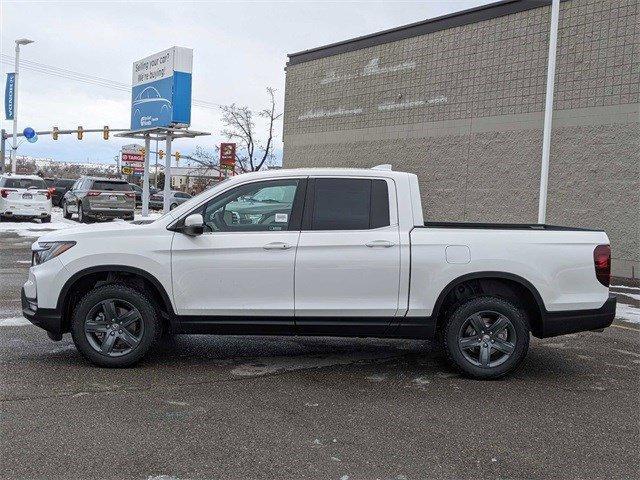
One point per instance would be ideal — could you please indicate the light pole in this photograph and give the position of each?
(548, 112)
(14, 147)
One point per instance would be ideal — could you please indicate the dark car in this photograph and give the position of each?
(138, 190)
(58, 187)
(97, 198)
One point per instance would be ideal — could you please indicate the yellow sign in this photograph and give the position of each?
(127, 170)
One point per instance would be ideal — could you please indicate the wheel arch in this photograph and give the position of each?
(85, 279)
(502, 284)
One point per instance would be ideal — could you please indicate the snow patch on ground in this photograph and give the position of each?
(635, 296)
(14, 322)
(34, 229)
(627, 313)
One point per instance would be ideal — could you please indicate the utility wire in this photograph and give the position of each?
(84, 78)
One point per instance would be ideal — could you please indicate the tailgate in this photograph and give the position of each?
(111, 200)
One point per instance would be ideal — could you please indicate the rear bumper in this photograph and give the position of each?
(572, 321)
(104, 214)
(45, 318)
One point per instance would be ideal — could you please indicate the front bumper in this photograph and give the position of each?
(572, 321)
(48, 319)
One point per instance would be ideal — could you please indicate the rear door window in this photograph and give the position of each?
(349, 204)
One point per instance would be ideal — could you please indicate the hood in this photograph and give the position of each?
(98, 230)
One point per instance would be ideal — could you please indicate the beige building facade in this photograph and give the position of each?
(459, 101)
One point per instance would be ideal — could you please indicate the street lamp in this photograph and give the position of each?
(14, 148)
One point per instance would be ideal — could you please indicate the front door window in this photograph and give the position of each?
(256, 207)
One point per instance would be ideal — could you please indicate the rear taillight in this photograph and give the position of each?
(602, 263)
(92, 193)
(4, 192)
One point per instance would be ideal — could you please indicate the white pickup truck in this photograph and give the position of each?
(319, 252)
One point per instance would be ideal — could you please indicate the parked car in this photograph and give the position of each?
(138, 191)
(96, 198)
(58, 187)
(156, 201)
(340, 252)
(24, 197)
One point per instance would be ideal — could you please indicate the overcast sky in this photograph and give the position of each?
(240, 48)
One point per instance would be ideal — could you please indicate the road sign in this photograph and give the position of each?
(127, 170)
(132, 157)
(228, 155)
(161, 90)
(9, 95)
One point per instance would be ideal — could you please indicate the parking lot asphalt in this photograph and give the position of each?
(209, 407)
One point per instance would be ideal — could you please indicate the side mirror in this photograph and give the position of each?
(193, 225)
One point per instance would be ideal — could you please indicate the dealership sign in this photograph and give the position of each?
(9, 96)
(228, 155)
(161, 90)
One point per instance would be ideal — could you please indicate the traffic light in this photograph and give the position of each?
(161, 154)
(177, 157)
(79, 132)
(105, 132)
(54, 134)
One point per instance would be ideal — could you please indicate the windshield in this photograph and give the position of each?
(24, 183)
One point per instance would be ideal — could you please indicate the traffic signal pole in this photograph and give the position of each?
(145, 178)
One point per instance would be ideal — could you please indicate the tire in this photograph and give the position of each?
(46, 219)
(65, 212)
(172, 206)
(115, 343)
(490, 353)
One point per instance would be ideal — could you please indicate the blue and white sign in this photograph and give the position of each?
(161, 90)
(9, 96)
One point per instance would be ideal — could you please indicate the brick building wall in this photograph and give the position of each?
(462, 107)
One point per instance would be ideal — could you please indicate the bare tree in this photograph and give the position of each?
(239, 126)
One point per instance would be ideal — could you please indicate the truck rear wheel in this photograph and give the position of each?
(114, 325)
(486, 337)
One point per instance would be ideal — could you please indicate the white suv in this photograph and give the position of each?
(25, 197)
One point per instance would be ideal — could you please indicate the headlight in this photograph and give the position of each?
(45, 251)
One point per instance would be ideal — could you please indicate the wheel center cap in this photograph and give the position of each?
(114, 326)
(486, 338)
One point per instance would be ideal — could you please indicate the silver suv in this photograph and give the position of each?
(156, 201)
(96, 198)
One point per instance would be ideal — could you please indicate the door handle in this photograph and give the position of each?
(380, 244)
(277, 246)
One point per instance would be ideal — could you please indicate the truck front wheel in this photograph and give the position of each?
(486, 337)
(114, 325)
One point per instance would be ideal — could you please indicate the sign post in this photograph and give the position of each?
(145, 178)
(167, 176)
